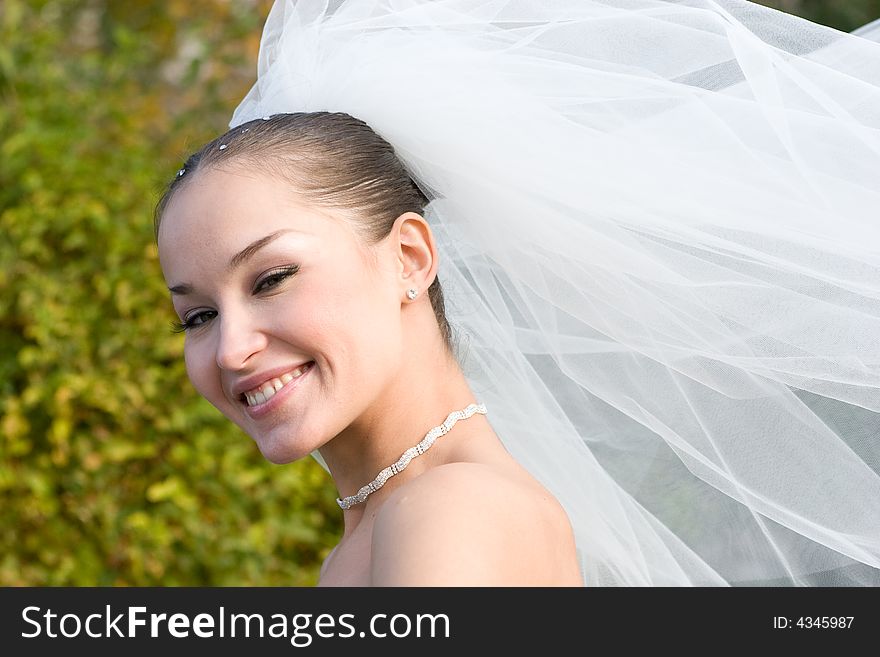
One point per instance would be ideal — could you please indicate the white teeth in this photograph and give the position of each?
(268, 389)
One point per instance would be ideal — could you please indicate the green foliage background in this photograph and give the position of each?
(112, 470)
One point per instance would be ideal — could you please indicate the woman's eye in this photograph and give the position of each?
(274, 278)
(194, 320)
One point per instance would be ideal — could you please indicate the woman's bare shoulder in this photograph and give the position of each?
(470, 524)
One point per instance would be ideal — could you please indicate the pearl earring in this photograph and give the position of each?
(411, 293)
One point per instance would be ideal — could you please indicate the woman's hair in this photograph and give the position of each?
(333, 161)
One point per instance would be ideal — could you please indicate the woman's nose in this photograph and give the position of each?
(239, 340)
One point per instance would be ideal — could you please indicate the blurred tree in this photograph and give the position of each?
(112, 469)
(844, 16)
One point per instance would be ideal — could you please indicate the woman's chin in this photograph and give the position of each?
(275, 443)
(280, 452)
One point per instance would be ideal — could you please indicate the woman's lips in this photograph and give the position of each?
(270, 395)
(266, 390)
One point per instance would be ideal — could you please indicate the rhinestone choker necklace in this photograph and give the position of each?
(409, 455)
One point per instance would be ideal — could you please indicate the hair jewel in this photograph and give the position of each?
(181, 172)
(244, 130)
(223, 146)
(266, 118)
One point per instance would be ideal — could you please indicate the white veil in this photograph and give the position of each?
(659, 230)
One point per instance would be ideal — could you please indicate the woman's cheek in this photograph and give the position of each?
(199, 370)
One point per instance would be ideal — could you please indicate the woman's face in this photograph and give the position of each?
(293, 331)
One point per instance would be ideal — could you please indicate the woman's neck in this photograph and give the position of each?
(418, 399)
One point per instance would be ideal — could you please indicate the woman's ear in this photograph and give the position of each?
(416, 252)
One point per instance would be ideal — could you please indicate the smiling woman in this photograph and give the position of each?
(313, 335)
(653, 359)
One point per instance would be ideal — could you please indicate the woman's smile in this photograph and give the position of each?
(263, 399)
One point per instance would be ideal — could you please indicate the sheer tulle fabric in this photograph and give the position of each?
(660, 248)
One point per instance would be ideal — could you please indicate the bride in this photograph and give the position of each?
(653, 358)
(306, 281)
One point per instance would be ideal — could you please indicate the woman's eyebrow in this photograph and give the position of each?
(241, 257)
(247, 252)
